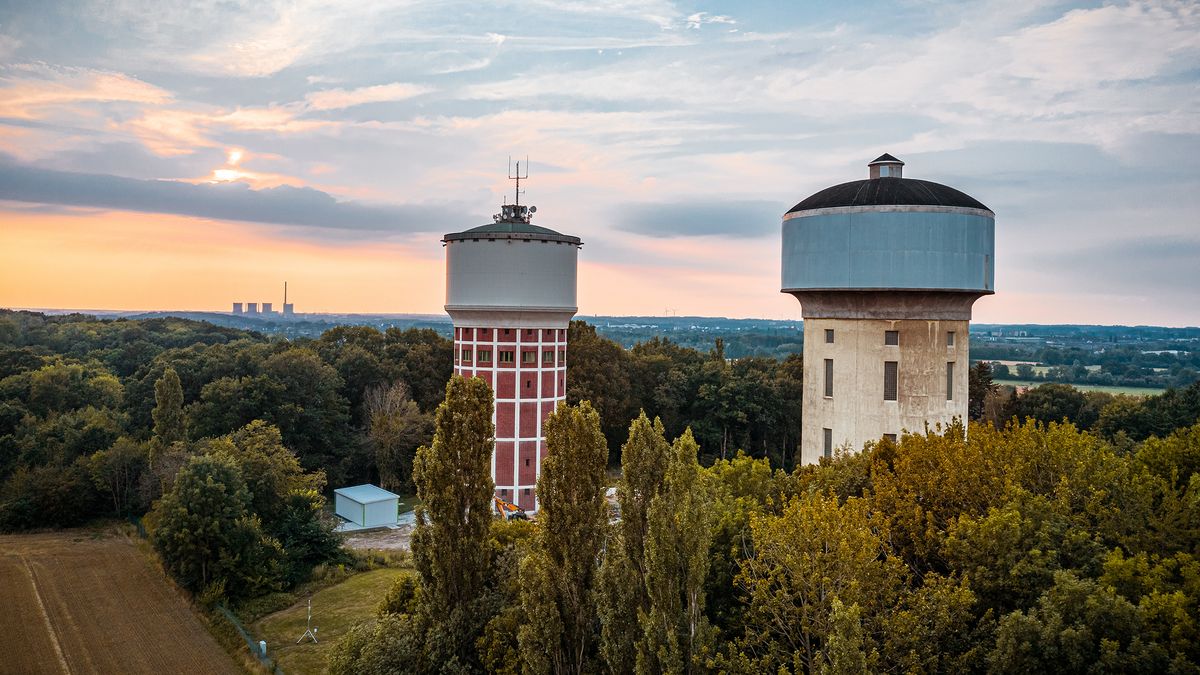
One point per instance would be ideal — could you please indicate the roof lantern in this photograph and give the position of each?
(886, 166)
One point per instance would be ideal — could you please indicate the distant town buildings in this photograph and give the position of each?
(886, 271)
(510, 291)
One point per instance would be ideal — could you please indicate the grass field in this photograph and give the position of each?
(80, 601)
(335, 611)
(1132, 391)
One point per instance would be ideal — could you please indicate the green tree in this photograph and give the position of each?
(644, 460)
(117, 472)
(559, 577)
(815, 551)
(450, 545)
(207, 537)
(395, 427)
(979, 386)
(169, 422)
(676, 633)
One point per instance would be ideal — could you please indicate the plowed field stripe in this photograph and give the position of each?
(62, 660)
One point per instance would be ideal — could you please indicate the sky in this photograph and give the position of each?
(186, 154)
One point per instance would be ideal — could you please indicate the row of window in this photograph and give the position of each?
(890, 380)
(508, 355)
(891, 338)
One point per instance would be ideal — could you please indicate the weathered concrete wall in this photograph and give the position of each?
(857, 412)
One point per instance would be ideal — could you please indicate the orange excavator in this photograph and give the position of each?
(508, 510)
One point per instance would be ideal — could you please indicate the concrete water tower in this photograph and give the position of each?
(510, 290)
(886, 271)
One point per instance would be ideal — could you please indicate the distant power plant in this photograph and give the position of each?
(510, 290)
(886, 271)
(268, 308)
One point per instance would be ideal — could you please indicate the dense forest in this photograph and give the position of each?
(1061, 532)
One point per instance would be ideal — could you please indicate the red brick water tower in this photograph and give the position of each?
(510, 291)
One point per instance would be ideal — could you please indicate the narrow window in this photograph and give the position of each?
(526, 462)
(828, 336)
(466, 355)
(950, 339)
(828, 443)
(950, 381)
(506, 356)
(891, 337)
(528, 357)
(889, 380)
(562, 356)
(507, 331)
(526, 490)
(548, 356)
(828, 378)
(528, 384)
(485, 356)
(890, 437)
(528, 332)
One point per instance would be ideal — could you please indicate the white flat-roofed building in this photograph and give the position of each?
(367, 505)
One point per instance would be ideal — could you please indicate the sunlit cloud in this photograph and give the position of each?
(26, 91)
(333, 99)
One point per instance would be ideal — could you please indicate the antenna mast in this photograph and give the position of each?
(517, 177)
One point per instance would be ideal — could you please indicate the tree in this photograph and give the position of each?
(676, 632)
(644, 459)
(979, 387)
(207, 537)
(117, 472)
(559, 576)
(815, 551)
(395, 427)
(169, 422)
(450, 545)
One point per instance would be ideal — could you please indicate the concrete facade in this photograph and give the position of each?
(857, 411)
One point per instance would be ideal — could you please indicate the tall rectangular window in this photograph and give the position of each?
(828, 336)
(891, 337)
(466, 355)
(889, 380)
(828, 443)
(950, 381)
(548, 356)
(950, 339)
(829, 378)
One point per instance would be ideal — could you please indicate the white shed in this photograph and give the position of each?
(367, 505)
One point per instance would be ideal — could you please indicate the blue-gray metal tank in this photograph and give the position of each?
(889, 233)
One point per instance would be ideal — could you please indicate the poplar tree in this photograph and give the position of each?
(676, 634)
(558, 578)
(450, 545)
(644, 458)
(169, 422)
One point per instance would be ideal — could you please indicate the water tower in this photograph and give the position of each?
(510, 290)
(886, 271)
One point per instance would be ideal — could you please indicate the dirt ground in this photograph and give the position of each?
(381, 539)
(80, 601)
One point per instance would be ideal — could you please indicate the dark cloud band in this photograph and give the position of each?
(282, 205)
(701, 218)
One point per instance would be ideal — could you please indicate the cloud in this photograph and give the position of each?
(701, 218)
(700, 18)
(335, 99)
(282, 205)
(26, 90)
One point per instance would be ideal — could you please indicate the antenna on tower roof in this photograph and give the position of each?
(517, 176)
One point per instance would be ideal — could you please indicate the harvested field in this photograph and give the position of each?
(80, 601)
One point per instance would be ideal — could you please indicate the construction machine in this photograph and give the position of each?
(508, 510)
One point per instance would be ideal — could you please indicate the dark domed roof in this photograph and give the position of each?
(889, 192)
